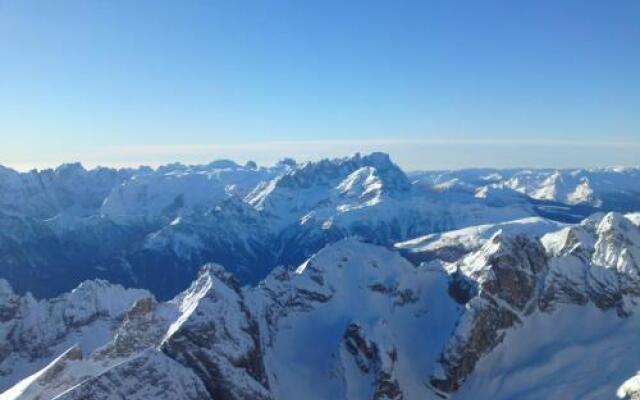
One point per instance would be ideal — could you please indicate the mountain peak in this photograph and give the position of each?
(98, 297)
(331, 171)
(223, 164)
(212, 278)
(219, 273)
(69, 169)
(377, 159)
(614, 221)
(290, 162)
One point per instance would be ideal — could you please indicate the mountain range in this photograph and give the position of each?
(338, 279)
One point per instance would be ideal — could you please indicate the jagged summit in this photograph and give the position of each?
(331, 185)
(514, 278)
(70, 169)
(115, 224)
(361, 316)
(326, 171)
(210, 277)
(446, 269)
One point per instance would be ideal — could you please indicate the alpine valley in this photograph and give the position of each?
(341, 279)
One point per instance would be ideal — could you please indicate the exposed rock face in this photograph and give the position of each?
(354, 321)
(31, 332)
(591, 262)
(280, 297)
(219, 341)
(365, 354)
(50, 380)
(150, 375)
(155, 228)
(507, 269)
(218, 338)
(204, 344)
(478, 332)
(596, 261)
(451, 246)
(506, 273)
(372, 361)
(142, 327)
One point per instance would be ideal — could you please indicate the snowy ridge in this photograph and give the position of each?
(595, 187)
(239, 336)
(370, 282)
(248, 218)
(32, 332)
(452, 245)
(360, 321)
(178, 189)
(63, 226)
(590, 264)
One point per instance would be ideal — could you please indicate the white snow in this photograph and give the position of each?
(473, 237)
(630, 389)
(21, 389)
(311, 339)
(576, 352)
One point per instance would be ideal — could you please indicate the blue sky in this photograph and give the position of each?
(438, 84)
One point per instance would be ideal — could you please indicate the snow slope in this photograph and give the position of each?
(577, 352)
(33, 332)
(515, 317)
(612, 188)
(360, 281)
(248, 218)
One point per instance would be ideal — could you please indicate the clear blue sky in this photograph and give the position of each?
(439, 84)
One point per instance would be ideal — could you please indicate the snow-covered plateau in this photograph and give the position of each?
(338, 279)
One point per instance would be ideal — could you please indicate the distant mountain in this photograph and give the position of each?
(616, 189)
(154, 228)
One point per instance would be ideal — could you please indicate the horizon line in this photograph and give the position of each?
(111, 156)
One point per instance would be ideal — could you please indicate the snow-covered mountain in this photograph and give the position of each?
(609, 188)
(153, 228)
(69, 188)
(34, 332)
(525, 309)
(345, 279)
